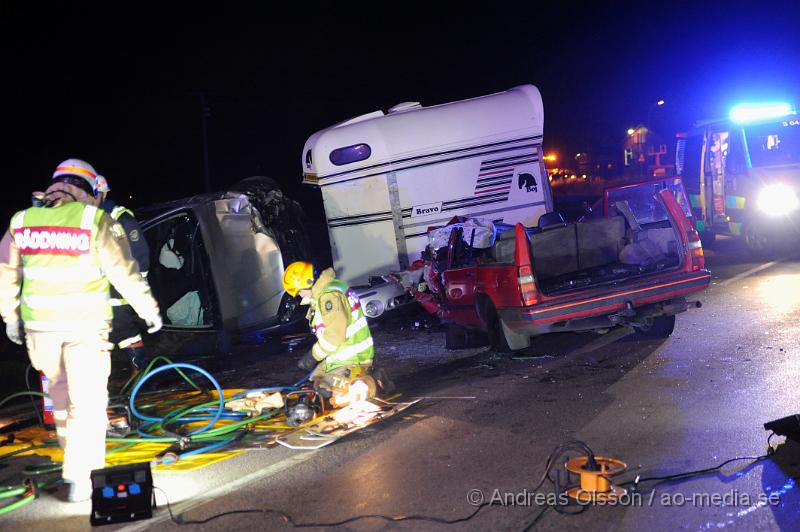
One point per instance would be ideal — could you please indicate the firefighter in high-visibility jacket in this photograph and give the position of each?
(126, 326)
(56, 263)
(343, 351)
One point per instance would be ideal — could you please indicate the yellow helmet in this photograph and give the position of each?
(298, 276)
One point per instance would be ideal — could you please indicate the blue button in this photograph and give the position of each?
(134, 489)
(108, 492)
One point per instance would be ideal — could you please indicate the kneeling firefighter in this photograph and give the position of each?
(343, 354)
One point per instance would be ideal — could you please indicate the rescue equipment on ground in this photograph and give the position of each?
(122, 493)
(595, 486)
(180, 427)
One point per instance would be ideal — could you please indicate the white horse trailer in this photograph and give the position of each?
(387, 177)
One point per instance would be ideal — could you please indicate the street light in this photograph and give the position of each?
(659, 103)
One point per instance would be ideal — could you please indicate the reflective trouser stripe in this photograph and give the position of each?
(81, 275)
(129, 341)
(114, 302)
(80, 301)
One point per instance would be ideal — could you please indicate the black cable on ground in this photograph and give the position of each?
(699, 472)
(692, 474)
(288, 518)
(551, 461)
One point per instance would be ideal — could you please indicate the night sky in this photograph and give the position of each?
(120, 86)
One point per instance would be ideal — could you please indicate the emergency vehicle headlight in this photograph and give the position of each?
(777, 200)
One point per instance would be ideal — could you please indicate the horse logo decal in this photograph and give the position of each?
(528, 181)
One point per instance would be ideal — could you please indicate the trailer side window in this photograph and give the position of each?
(350, 154)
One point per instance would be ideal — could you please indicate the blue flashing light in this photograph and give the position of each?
(751, 112)
(134, 489)
(108, 492)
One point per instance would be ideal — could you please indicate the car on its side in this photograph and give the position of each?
(216, 265)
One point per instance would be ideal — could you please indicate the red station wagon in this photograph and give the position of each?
(634, 265)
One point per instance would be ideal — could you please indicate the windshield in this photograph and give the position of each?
(642, 201)
(774, 144)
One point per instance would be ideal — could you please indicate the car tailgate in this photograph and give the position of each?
(605, 300)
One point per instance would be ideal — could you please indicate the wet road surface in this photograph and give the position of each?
(488, 422)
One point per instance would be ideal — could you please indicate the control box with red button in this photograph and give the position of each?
(122, 493)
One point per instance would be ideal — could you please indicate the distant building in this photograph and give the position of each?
(646, 154)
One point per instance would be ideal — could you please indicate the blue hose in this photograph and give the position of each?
(203, 372)
(304, 379)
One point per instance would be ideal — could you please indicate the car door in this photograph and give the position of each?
(460, 280)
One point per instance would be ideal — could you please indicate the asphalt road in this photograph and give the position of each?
(662, 406)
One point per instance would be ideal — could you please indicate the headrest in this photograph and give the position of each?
(549, 220)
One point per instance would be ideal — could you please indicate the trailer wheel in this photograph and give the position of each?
(659, 327)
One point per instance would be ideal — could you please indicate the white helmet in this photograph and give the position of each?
(101, 184)
(77, 168)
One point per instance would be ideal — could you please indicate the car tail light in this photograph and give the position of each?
(522, 258)
(695, 249)
(527, 287)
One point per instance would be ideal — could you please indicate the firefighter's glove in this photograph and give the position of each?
(14, 332)
(307, 362)
(154, 324)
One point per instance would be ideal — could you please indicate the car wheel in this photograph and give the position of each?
(756, 241)
(501, 338)
(659, 327)
(458, 337)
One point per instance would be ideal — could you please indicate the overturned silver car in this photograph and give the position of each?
(216, 264)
